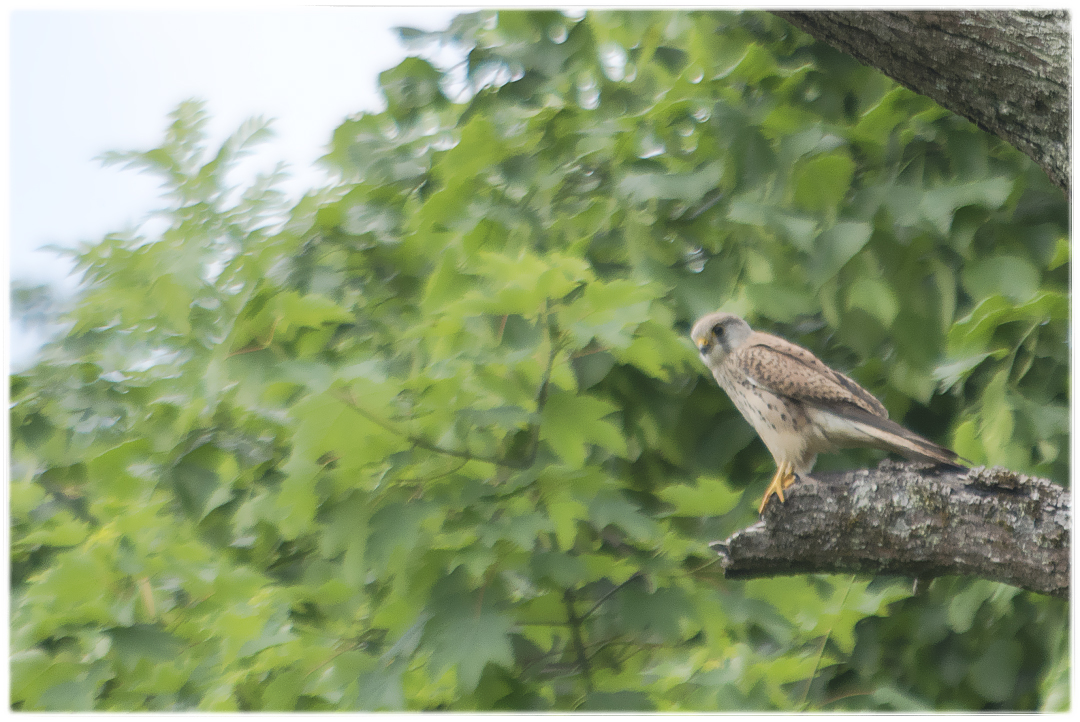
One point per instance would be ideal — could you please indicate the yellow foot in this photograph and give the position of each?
(782, 479)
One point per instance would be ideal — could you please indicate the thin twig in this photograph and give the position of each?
(541, 398)
(417, 441)
(583, 352)
(258, 346)
(502, 327)
(837, 698)
(575, 635)
(441, 474)
(635, 575)
(824, 641)
(337, 653)
(706, 565)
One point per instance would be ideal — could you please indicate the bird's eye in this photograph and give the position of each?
(718, 330)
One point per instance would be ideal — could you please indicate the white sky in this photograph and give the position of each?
(84, 82)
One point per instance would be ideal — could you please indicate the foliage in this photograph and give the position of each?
(437, 439)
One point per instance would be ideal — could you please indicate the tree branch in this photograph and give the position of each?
(575, 634)
(915, 521)
(1009, 72)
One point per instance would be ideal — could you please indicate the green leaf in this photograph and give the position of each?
(346, 531)
(974, 331)
(657, 615)
(311, 310)
(875, 297)
(1010, 276)
(797, 228)
(565, 512)
(610, 508)
(835, 247)
(952, 372)
(939, 205)
(394, 532)
(607, 312)
(446, 284)
(564, 570)
(571, 421)
(623, 700)
(24, 497)
(1062, 254)
(994, 673)
(877, 123)
(708, 497)
(967, 442)
(144, 641)
(381, 688)
(465, 633)
(480, 147)
(688, 187)
(410, 86)
(779, 301)
(756, 65)
(822, 182)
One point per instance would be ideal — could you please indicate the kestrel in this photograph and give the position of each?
(797, 405)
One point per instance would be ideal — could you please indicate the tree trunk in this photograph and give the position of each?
(914, 521)
(1009, 72)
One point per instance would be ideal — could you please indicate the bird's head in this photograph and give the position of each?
(718, 334)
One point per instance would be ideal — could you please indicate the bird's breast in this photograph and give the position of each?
(782, 423)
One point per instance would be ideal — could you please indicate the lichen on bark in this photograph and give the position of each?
(913, 520)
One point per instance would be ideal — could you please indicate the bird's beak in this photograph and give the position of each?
(702, 344)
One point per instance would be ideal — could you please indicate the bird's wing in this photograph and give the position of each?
(846, 412)
(789, 370)
(855, 427)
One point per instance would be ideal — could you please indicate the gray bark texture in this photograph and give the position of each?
(1007, 71)
(912, 520)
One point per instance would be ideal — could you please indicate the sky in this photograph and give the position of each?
(86, 82)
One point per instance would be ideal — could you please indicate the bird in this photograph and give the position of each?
(797, 405)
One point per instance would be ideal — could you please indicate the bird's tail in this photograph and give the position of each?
(888, 435)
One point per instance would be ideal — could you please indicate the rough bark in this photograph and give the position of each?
(910, 520)
(1009, 72)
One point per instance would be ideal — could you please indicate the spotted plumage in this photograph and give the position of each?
(799, 406)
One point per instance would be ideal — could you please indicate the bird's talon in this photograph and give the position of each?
(776, 486)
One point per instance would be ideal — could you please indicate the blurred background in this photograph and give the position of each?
(87, 82)
(428, 432)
